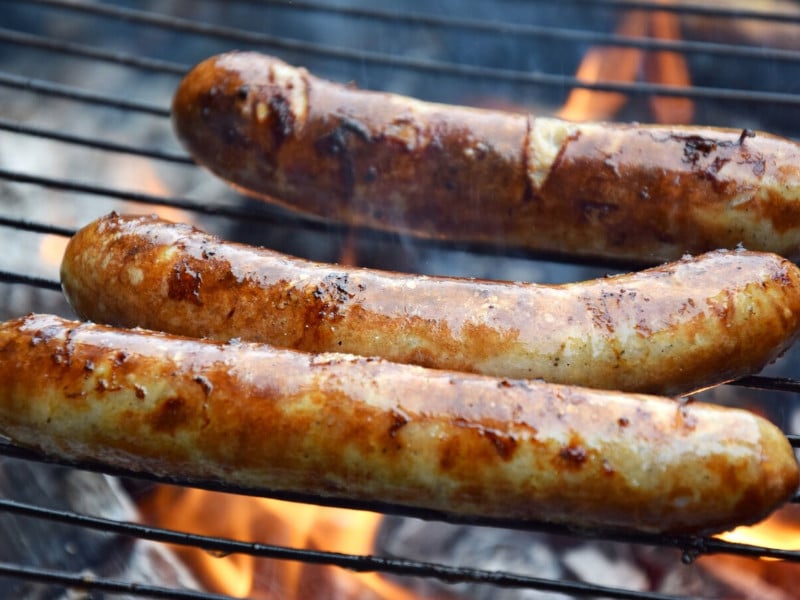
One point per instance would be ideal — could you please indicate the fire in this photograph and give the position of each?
(780, 531)
(619, 64)
(268, 521)
(51, 249)
(761, 578)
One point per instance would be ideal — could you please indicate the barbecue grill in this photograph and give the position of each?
(117, 66)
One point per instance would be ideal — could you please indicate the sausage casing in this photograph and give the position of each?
(668, 330)
(343, 426)
(625, 191)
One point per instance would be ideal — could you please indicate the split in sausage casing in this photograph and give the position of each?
(341, 426)
(667, 330)
(623, 191)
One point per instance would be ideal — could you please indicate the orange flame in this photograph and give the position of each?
(779, 531)
(619, 64)
(761, 578)
(51, 249)
(267, 521)
(606, 64)
(668, 68)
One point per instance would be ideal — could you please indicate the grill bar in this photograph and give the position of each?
(60, 136)
(69, 92)
(718, 12)
(40, 282)
(362, 563)
(81, 581)
(543, 32)
(126, 59)
(436, 67)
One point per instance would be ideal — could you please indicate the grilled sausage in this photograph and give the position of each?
(344, 426)
(625, 191)
(667, 330)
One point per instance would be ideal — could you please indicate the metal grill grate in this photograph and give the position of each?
(356, 61)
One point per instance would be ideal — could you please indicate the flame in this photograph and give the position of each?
(144, 177)
(606, 64)
(618, 64)
(51, 249)
(780, 531)
(760, 578)
(288, 524)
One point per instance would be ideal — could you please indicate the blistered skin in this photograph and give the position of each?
(636, 192)
(668, 330)
(345, 426)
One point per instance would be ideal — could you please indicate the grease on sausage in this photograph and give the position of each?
(668, 330)
(337, 425)
(625, 191)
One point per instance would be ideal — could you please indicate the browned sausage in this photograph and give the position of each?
(668, 330)
(366, 158)
(344, 426)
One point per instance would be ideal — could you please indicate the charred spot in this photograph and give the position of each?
(120, 357)
(399, 420)
(184, 284)
(592, 209)
(448, 454)
(715, 167)
(336, 145)
(88, 366)
(283, 120)
(334, 291)
(623, 421)
(59, 357)
(172, 413)
(45, 335)
(356, 127)
(504, 444)
(101, 385)
(140, 391)
(695, 147)
(242, 92)
(331, 144)
(204, 383)
(370, 175)
(135, 249)
(574, 454)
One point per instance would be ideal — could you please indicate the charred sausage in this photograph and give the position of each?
(625, 191)
(667, 330)
(336, 425)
